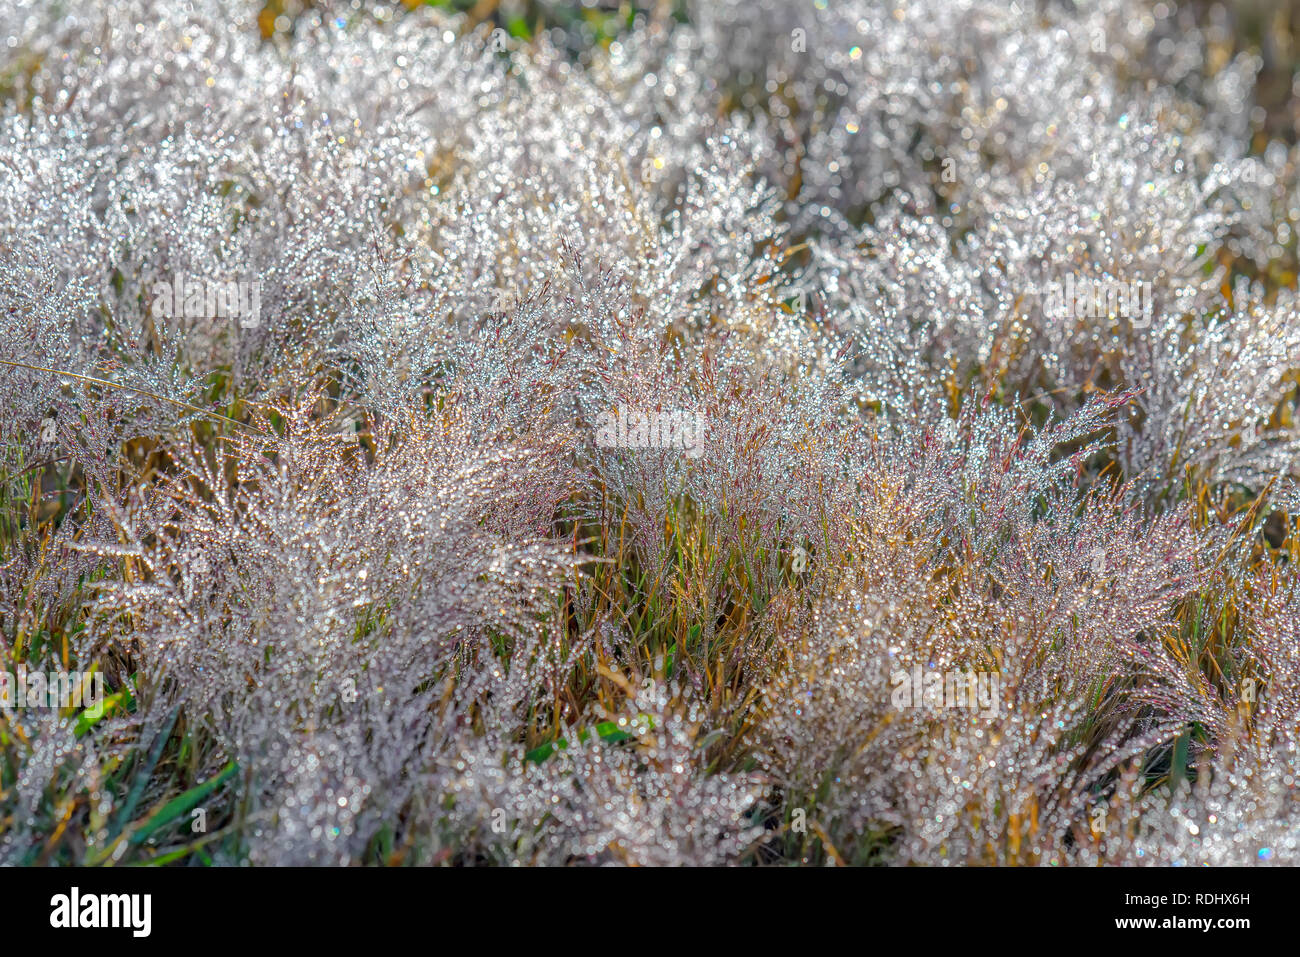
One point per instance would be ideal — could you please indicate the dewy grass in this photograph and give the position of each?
(629, 413)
